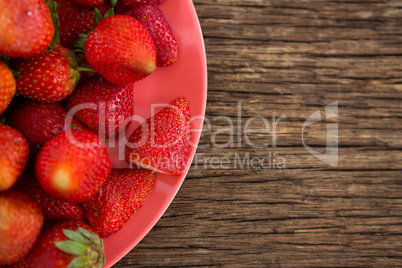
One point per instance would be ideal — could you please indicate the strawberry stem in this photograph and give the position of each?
(78, 51)
(85, 69)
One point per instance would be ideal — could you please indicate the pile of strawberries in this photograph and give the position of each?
(68, 70)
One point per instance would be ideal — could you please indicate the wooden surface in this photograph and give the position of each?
(292, 58)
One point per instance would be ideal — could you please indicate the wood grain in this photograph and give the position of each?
(292, 58)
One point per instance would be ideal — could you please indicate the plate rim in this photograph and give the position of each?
(122, 254)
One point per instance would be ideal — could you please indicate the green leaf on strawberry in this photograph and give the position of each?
(109, 13)
(53, 6)
(97, 16)
(70, 244)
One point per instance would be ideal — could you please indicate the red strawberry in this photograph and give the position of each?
(21, 221)
(133, 3)
(66, 244)
(49, 77)
(75, 20)
(152, 18)
(26, 28)
(124, 192)
(88, 3)
(121, 50)
(39, 122)
(113, 105)
(7, 86)
(54, 210)
(73, 165)
(13, 156)
(162, 143)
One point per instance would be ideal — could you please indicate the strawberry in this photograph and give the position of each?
(26, 28)
(121, 50)
(54, 210)
(121, 196)
(39, 122)
(73, 165)
(21, 221)
(13, 156)
(75, 20)
(134, 3)
(49, 77)
(152, 18)
(113, 105)
(7, 86)
(88, 3)
(66, 244)
(162, 143)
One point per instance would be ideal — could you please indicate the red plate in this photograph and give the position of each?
(187, 77)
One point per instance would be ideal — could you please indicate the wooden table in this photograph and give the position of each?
(275, 69)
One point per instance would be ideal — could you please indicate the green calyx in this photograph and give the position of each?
(98, 16)
(55, 40)
(74, 65)
(85, 245)
(73, 60)
(109, 13)
(53, 6)
(74, 126)
(80, 43)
